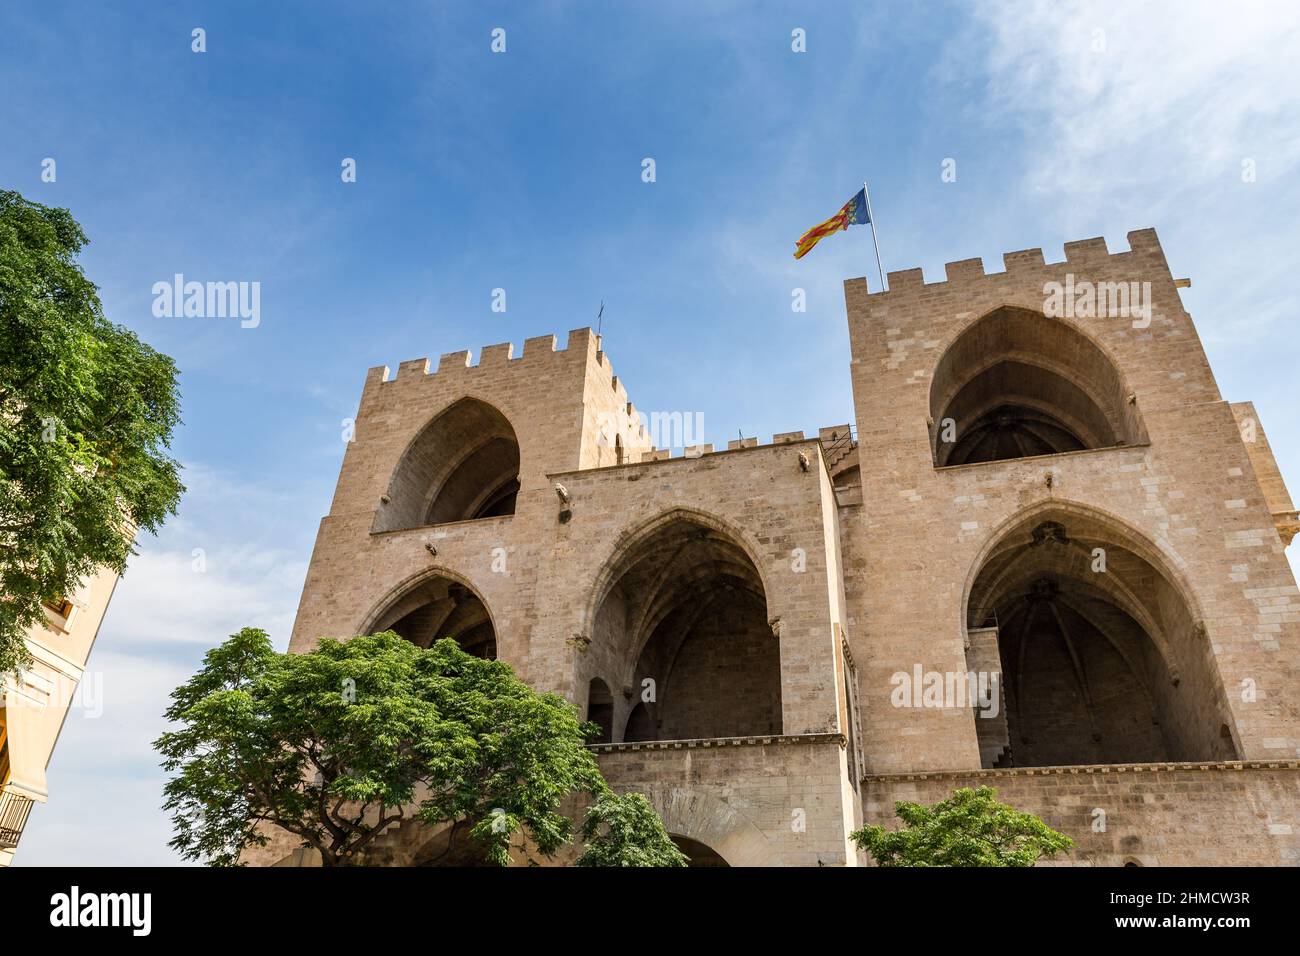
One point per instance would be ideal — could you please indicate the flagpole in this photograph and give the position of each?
(876, 242)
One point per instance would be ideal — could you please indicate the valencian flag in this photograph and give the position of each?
(853, 213)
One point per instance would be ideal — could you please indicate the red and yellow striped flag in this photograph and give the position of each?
(854, 212)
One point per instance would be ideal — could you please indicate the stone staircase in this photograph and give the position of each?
(398, 843)
(838, 442)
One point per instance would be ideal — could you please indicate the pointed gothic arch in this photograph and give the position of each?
(433, 605)
(680, 616)
(1099, 643)
(463, 465)
(1017, 384)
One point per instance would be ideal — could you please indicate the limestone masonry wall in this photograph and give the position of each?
(797, 579)
(1190, 492)
(1149, 815)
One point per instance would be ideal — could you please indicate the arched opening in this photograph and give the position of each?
(1016, 384)
(697, 853)
(600, 709)
(640, 724)
(1100, 658)
(463, 465)
(683, 615)
(439, 607)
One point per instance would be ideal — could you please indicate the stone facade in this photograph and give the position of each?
(1042, 497)
(1226, 814)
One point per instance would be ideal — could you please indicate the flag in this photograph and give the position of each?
(853, 213)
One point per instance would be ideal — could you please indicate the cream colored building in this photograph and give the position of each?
(35, 702)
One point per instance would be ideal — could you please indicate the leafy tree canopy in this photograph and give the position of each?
(336, 745)
(970, 828)
(86, 416)
(626, 831)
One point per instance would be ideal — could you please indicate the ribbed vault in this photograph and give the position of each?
(1016, 384)
(682, 626)
(1102, 659)
(463, 465)
(438, 608)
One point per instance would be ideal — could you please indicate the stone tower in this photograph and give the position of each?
(1046, 501)
(1058, 490)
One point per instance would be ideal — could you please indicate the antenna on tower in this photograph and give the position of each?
(599, 316)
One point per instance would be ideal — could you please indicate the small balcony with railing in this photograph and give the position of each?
(14, 807)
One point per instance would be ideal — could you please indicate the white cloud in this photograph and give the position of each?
(1106, 88)
(218, 566)
(164, 598)
(1121, 116)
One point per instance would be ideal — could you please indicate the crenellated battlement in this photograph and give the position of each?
(582, 364)
(827, 436)
(1085, 255)
(542, 348)
(538, 349)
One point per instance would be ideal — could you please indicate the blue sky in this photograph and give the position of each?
(522, 171)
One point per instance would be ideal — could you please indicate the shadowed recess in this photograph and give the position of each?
(437, 608)
(697, 853)
(463, 465)
(1100, 655)
(683, 629)
(1016, 384)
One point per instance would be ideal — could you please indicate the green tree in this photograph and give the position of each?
(626, 831)
(86, 416)
(970, 828)
(338, 744)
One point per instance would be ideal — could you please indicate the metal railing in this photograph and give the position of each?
(14, 809)
(840, 446)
